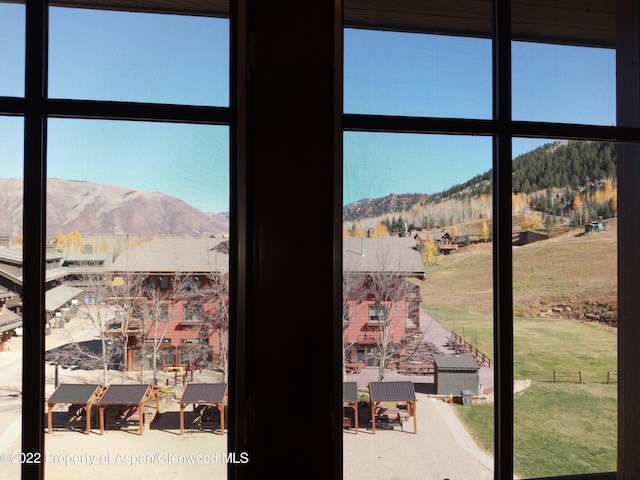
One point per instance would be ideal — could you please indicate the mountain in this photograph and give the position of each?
(372, 207)
(569, 165)
(93, 208)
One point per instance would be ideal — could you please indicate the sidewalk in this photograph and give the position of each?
(441, 449)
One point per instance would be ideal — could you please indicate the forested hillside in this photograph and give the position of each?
(546, 179)
(564, 164)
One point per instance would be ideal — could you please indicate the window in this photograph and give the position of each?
(377, 313)
(539, 98)
(266, 260)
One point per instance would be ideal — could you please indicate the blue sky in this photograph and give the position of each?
(184, 60)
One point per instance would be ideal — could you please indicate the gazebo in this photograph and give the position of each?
(350, 397)
(392, 392)
(132, 398)
(81, 395)
(207, 394)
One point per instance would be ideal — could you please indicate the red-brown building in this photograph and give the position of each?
(380, 305)
(172, 295)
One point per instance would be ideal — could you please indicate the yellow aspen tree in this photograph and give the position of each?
(484, 231)
(380, 230)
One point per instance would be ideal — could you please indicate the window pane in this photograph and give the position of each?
(12, 35)
(99, 55)
(134, 238)
(11, 186)
(417, 288)
(565, 308)
(564, 84)
(391, 73)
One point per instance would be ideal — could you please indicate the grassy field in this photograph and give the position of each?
(560, 428)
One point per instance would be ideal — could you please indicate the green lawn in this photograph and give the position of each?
(559, 429)
(562, 428)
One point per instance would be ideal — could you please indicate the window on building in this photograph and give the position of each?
(377, 313)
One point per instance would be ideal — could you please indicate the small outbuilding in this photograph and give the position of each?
(456, 373)
(597, 226)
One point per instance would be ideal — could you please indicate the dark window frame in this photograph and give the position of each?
(35, 107)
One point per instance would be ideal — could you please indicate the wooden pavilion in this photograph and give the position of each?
(81, 398)
(131, 399)
(350, 398)
(399, 392)
(202, 395)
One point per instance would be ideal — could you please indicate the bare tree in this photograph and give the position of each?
(128, 296)
(159, 311)
(388, 294)
(97, 287)
(218, 299)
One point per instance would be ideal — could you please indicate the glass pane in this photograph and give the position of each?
(11, 188)
(564, 84)
(418, 305)
(391, 73)
(12, 38)
(141, 295)
(565, 308)
(99, 55)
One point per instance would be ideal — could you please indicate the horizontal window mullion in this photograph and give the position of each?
(138, 111)
(12, 106)
(400, 124)
(566, 131)
(430, 125)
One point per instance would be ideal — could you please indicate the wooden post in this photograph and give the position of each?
(50, 417)
(356, 411)
(415, 417)
(87, 416)
(101, 419)
(221, 408)
(373, 417)
(140, 418)
(181, 419)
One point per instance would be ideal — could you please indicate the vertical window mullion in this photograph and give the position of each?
(34, 235)
(502, 253)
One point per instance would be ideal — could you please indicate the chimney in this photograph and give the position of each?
(49, 249)
(88, 249)
(362, 248)
(5, 242)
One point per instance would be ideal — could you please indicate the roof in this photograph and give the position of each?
(350, 391)
(103, 258)
(9, 320)
(59, 296)
(125, 395)
(391, 391)
(455, 362)
(436, 235)
(387, 254)
(171, 255)
(11, 255)
(74, 393)
(204, 393)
